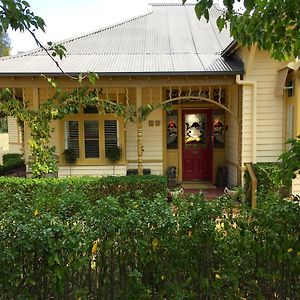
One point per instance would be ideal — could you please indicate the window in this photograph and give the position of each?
(91, 135)
(111, 133)
(91, 139)
(219, 129)
(172, 130)
(195, 131)
(290, 88)
(72, 136)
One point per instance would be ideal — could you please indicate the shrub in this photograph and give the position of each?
(11, 161)
(70, 155)
(290, 162)
(267, 175)
(113, 153)
(15, 157)
(63, 243)
(93, 188)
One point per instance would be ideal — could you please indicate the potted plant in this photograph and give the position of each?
(113, 153)
(70, 156)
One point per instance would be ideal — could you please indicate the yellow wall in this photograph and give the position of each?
(296, 101)
(15, 143)
(65, 171)
(269, 118)
(3, 145)
(152, 136)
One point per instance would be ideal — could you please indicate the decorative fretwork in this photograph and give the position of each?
(127, 96)
(192, 95)
(151, 95)
(117, 96)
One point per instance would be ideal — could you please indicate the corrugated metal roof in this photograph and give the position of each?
(169, 40)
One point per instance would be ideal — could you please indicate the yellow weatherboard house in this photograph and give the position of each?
(231, 106)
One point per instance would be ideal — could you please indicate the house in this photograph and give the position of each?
(227, 106)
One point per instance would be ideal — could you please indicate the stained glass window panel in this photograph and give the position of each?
(172, 129)
(219, 129)
(195, 130)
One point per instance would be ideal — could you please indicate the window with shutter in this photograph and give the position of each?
(111, 133)
(91, 134)
(72, 136)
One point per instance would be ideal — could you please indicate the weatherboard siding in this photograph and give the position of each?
(270, 111)
(14, 139)
(152, 136)
(65, 171)
(131, 141)
(247, 140)
(153, 132)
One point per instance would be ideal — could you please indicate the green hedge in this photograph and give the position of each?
(91, 188)
(9, 157)
(69, 239)
(11, 161)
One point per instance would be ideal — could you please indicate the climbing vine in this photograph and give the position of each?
(43, 159)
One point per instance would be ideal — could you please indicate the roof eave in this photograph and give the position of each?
(231, 48)
(184, 73)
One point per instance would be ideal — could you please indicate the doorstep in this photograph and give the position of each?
(209, 190)
(198, 185)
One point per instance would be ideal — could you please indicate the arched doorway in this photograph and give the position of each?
(195, 129)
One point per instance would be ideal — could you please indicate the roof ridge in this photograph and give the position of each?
(105, 28)
(36, 50)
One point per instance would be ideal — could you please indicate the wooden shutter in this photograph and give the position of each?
(111, 133)
(72, 135)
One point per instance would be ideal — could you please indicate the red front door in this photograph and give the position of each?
(197, 144)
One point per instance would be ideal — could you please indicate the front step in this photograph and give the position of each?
(197, 185)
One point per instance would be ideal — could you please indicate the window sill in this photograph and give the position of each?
(94, 163)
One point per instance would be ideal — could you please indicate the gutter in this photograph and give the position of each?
(133, 74)
(239, 81)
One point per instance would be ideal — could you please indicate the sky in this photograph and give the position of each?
(69, 18)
